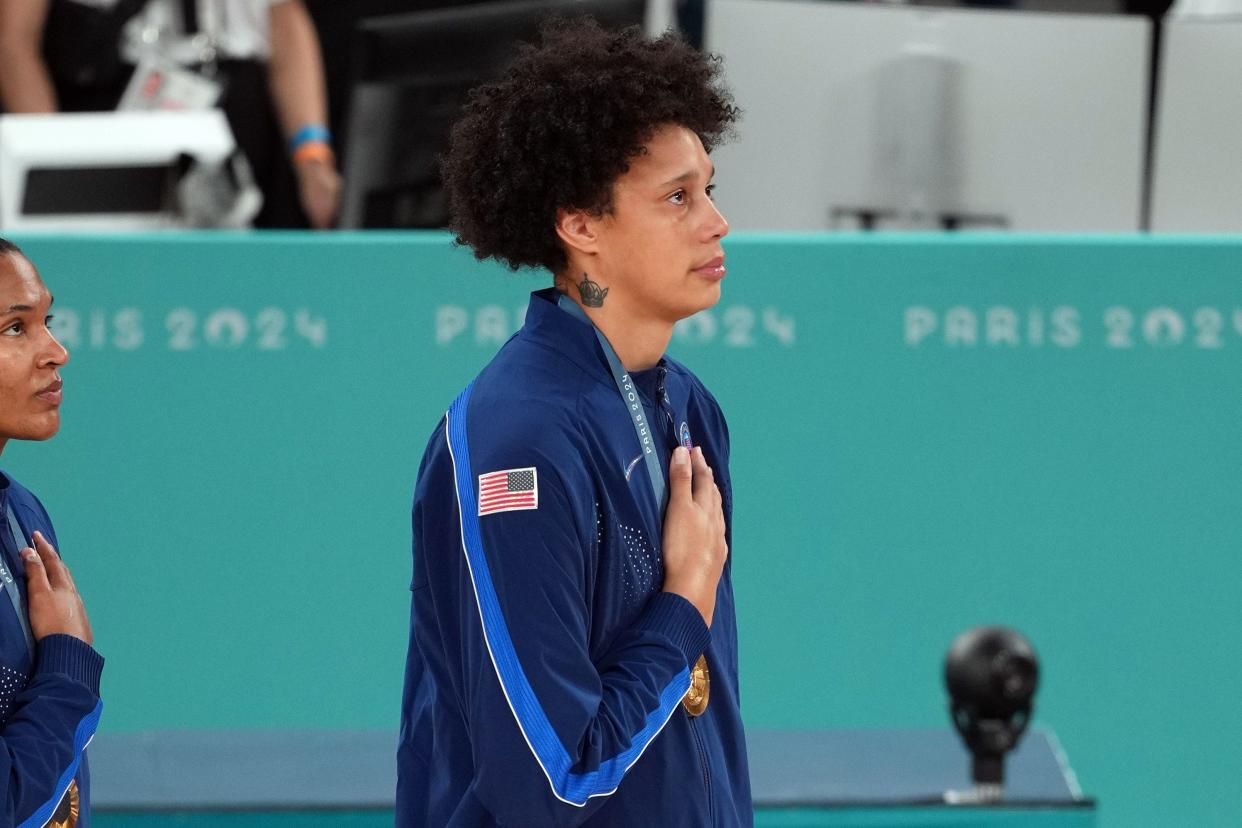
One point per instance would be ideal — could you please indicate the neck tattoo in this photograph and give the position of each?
(592, 294)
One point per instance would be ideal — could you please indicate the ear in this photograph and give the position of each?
(578, 231)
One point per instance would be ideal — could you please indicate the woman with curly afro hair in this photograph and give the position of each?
(573, 645)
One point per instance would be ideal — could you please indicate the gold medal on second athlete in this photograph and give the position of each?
(695, 700)
(66, 814)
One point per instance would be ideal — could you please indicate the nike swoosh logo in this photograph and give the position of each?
(631, 466)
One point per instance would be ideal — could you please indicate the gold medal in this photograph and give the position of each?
(695, 700)
(66, 815)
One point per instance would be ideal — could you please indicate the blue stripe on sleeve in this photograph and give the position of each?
(569, 787)
(81, 738)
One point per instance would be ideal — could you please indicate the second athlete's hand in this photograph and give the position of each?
(55, 606)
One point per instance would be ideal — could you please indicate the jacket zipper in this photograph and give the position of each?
(707, 778)
(662, 403)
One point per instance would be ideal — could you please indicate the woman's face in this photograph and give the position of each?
(30, 356)
(659, 249)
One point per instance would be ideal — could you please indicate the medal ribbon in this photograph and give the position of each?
(9, 584)
(633, 403)
(695, 701)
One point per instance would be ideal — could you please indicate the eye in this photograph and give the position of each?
(711, 190)
(47, 320)
(679, 197)
(12, 330)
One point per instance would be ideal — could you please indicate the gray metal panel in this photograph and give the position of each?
(892, 767)
(1053, 110)
(265, 770)
(243, 769)
(1197, 178)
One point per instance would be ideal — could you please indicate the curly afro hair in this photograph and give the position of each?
(561, 126)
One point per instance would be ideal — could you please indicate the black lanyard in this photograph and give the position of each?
(9, 582)
(189, 17)
(633, 404)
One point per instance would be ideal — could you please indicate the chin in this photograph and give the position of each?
(706, 300)
(694, 299)
(38, 432)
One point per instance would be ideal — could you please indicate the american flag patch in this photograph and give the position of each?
(508, 491)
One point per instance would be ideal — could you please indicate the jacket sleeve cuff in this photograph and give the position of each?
(72, 657)
(675, 618)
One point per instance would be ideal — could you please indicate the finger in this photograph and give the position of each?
(717, 508)
(36, 577)
(703, 478)
(679, 475)
(64, 568)
(57, 574)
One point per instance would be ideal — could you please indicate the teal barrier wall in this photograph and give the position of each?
(928, 434)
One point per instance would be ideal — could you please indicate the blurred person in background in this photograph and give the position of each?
(336, 23)
(49, 673)
(258, 60)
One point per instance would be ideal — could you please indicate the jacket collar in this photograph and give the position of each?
(549, 325)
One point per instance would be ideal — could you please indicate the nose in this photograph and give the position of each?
(717, 224)
(54, 354)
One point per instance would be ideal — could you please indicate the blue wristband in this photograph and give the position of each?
(308, 133)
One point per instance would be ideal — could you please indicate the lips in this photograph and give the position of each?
(714, 269)
(52, 394)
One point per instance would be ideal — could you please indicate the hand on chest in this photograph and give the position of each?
(629, 507)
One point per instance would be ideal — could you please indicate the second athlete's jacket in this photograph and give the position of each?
(546, 667)
(49, 699)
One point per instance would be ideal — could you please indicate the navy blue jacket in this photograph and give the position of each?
(49, 708)
(546, 667)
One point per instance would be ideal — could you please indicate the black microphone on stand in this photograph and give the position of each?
(991, 674)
